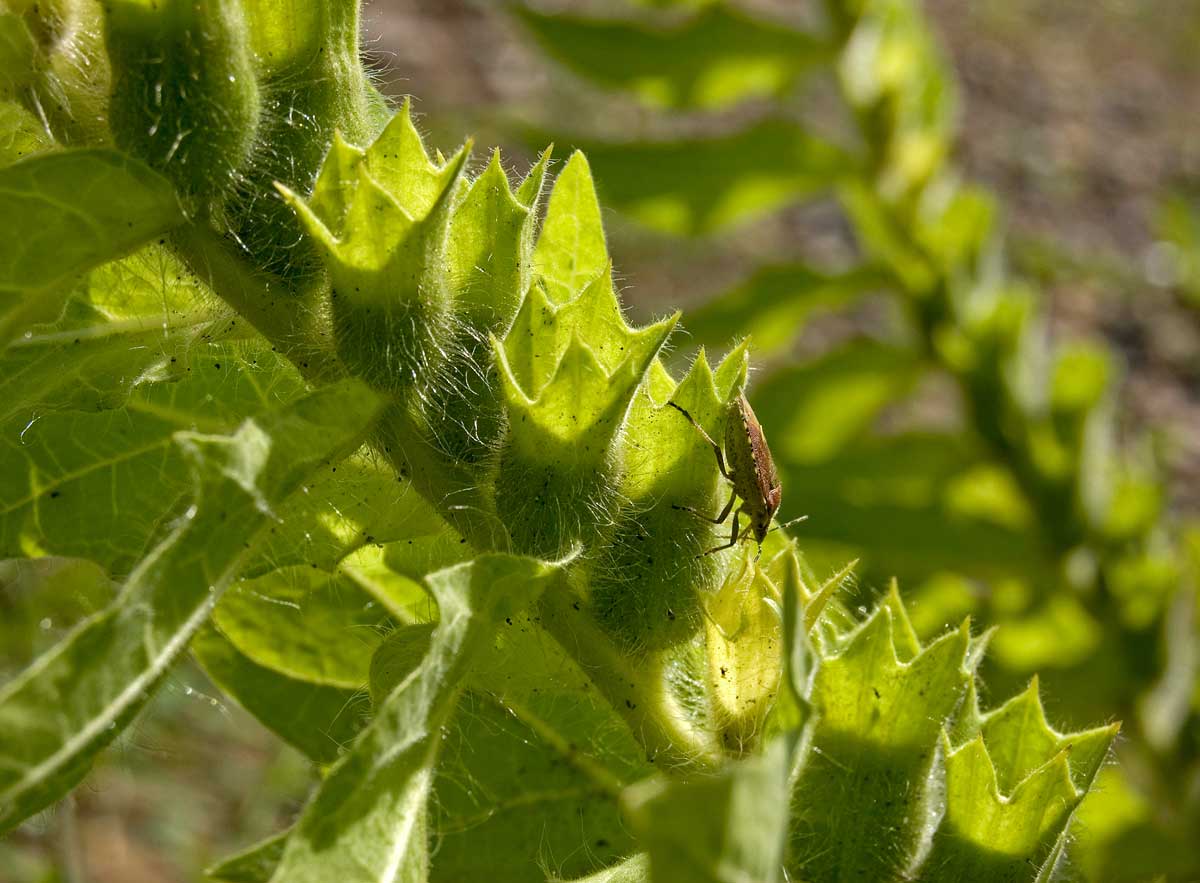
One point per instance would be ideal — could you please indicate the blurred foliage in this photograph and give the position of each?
(1174, 261)
(155, 441)
(951, 445)
(696, 187)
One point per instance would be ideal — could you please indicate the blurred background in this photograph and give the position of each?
(965, 240)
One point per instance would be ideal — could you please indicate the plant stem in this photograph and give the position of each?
(292, 320)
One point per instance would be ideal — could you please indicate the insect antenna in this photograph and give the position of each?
(788, 523)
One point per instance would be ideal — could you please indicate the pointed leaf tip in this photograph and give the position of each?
(571, 249)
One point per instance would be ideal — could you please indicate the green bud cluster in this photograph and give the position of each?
(226, 97)
(381, 227)
(910, 780)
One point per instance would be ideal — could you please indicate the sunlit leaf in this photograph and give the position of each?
(880, 701)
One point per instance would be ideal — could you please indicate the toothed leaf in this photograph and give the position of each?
(994, 836)
(571, 249)
(865, 795)
(668, 466)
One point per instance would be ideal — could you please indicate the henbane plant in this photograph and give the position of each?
(369, 433)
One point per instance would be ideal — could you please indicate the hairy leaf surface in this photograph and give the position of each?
(59, 713)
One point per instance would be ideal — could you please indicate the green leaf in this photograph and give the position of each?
(382, 234)
(366, 821)
(880, 701)
(566, 755)
(66, 212)
(99, 484)
(1019, 740)
(991, 837)
(814, 409)
(490, 252)
(894, 75)
(42, 599)
(59, 713)
(896, 503)
(566, 751)
(711, 60)
(357, 503)
(567, 375)
(635, 869)
(306, 624)
(726, 828)
(667, 465)
(744, 650)
(253, 865)
(129, 322)
(571, 250)
(695, 187)
(543, 332)
(317, 719)
(489, 256)
(1012, 784)
(18, 54)
(799, 609)
(21, 133)
(732, 824)
(773, 305)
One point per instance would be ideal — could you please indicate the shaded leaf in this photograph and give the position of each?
(59, 713)
(64, 213)
(711, 60)
(730, 827)
(772, 306)
(317, 719)
(699, 186)
(366, 821)
(253, 865)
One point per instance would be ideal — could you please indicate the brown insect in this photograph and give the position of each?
(751, 471)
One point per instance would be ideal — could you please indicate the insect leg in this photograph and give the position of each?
(737, 526)
(720, 519)
(700, 429)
